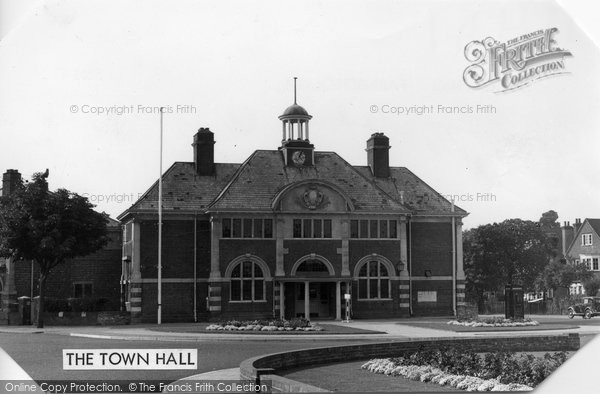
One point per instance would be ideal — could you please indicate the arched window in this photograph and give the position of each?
(247, 282)
(312, 266)
(373, 281)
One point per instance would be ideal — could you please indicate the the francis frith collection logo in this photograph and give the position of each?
(515, 63)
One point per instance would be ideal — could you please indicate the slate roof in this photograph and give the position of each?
(411, 191)
(251, 186)
(264, 174)
(184, 190)
(595, 223)
(112, 222)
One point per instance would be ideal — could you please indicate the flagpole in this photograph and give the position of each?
(159, 311)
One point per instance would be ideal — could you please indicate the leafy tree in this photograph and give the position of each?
(558, 275)
(48, 228)
(591, 285)
(511, 252)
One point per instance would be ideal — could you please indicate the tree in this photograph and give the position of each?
(511, 252)
(558, 275)
(591, 285)
(48, 228)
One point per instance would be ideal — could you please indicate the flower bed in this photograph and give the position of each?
(494, 322)
(471, 371)
(265, 325)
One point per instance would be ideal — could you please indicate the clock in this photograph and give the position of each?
(298, 157)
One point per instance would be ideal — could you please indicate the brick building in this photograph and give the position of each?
(96, 276)
(289, 232)
(583, 240)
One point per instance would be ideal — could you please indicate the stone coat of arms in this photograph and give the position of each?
(313, 198)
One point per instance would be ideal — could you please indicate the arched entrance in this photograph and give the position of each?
(310, 292)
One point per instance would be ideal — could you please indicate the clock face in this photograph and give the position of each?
(298, 157)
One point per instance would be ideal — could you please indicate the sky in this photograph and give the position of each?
(229, 66)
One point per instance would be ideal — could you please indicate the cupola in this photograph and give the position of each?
(295, 144)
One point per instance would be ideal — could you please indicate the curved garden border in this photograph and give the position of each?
(267, 367)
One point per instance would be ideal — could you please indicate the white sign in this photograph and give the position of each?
(130, 359)
(347, 296)
(427, 296)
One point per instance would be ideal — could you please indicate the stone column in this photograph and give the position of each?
(279, 249)
(460, 273)
(345, 235)
(281, 300)
(404, 294)
(215, 235)
(403, 242)
(214, 281)
(307, 300)
(135, 288)
(338, 301)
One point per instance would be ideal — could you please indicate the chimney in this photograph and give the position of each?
(11, 181)
(577, 226)
(204, 151)
(567, 237)
(378, 155)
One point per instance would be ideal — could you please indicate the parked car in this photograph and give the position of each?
(587, 309)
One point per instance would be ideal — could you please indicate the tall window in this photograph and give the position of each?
(586, 239)
(247, 228)
(247, 282)
(373, 228)
(82, 289)
(311, 228)
(373, 281)
(595, 264)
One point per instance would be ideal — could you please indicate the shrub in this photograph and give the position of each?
(56, 305)
(507, 368)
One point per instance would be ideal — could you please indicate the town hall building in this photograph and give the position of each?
(289, 233)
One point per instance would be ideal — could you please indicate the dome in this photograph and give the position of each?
(295, 109)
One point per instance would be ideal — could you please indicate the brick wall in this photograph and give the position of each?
(102, 269)
(279, 362)
(443, 304)
(229, 249)
(177, 302)
(177, 249)
(431, 248)
(361, 248)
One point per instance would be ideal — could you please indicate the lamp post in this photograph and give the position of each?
(159, 281)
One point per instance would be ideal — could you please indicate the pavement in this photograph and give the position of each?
(392, 328)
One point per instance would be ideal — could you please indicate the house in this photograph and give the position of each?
(291, 232)
(584, 248)
(96, 276)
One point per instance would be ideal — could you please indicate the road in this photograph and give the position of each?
(40, 355)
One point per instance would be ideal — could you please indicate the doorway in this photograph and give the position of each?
(321, 300)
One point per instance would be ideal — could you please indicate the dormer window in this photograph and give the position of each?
(586, 239)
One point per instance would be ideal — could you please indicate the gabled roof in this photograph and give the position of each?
(594, 223)
(264, 174)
